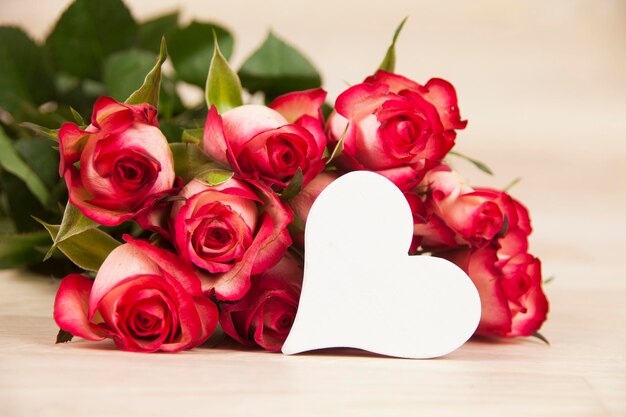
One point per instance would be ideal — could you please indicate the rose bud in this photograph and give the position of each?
(265, 314)
(302, 202)
(116, 163)
(144, 298)
(475, 216)
(270, 144)
(231, 230)
(396, 127)
(512, 300)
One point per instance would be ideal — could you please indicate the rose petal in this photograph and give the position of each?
(71, 143)
(71, 307)
(292, 106)
(479, 264)
(81, 198)
(123, 262)
(243, 123)
(535, 303)
(360, 100)
(166, 262)
(442, 94)
(214, 142)
(396, 82)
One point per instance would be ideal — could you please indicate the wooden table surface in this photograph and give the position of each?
(543, 85)
(582, 373)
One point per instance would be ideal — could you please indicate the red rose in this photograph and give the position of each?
(397, 127)
(117, 162)
(265, 314)
(513, 302)
(270, 143)
(474, 216)
(429, 231)
(143, 297)
(301, 204)
(232, 231)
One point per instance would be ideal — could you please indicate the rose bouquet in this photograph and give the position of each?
(186, 221)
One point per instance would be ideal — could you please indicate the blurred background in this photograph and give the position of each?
(542, 83)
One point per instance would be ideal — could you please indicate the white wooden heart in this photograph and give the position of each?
(362, 290)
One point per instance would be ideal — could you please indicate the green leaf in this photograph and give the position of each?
(87, 249)
(64, 336)
(480, 165)
(223, 88)
(189, 161)
(339, 147)
(152, 31)
(541, 337)
(11, 161)
(78, 118)
(389, 61)
(170, 103)
(42, 131)
(193, 135)
(548, 280)
(41, 157)
(73, 223)
(151, 88)
(276, 68)
(25, 73)
(214, 177)
(293, 188)
(124, 72)
(17, 250)
(20, 203)
(89, 31)
(191, 50)
(512, 184)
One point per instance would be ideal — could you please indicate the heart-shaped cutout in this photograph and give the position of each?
(362, 290)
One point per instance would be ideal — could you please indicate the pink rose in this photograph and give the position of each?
(232, 230)
(397, 127)
(144, 298)
(117, 162)
(265, 314)
(270, 144)
(302, 202)
(429, 231)
(475, 216)
(513, 302)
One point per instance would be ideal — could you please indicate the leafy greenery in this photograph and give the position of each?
(73, 223)
(17, 250)
(277, 68)
(87, 33)
(150, 90)
(192, 47)
(152, 32)
(389, 61)
(11, 162)
(87, 249)
(125, 70)
(214, 177)
(25, 72)
(478, 164)
(190, 161)
(223, 88)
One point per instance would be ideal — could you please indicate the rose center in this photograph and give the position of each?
(132, 174)
(285, 155)
(284, 323)
(217, 237)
